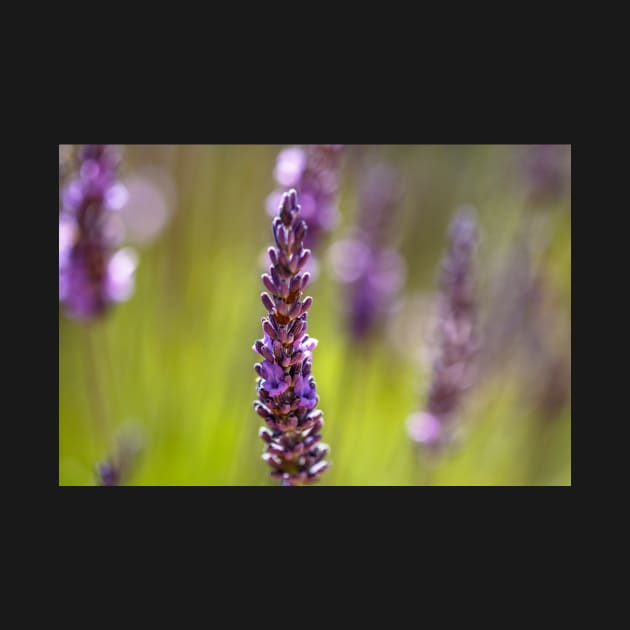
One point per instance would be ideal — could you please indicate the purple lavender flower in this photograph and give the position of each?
(314, 173)
(274, 382)
(286, 389)
(457, 338)
(91, 275)
(372, 272)
(108, 474)
(117, 469)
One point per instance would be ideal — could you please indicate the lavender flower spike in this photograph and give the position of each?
(91, 275)
(314, 173)
(372, 272)
(286, 389)
(458, 340)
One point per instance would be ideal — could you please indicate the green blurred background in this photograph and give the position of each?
(174, 363)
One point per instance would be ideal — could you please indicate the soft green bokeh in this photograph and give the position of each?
(176, 358)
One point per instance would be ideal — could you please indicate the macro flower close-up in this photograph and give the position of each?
(314, 315)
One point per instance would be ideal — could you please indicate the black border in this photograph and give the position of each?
(420, 519)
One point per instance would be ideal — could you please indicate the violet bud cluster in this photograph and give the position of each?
(457, 338)
(92, 274)
(287, 395)
(314, 172)
(372, 272)
(118, 468)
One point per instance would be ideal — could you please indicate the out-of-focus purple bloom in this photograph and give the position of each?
(373, 272)
(119, 467)
(425, 428)
(92, 276)
(286, 389)
(107, 474)
(120, 270)
(314, 172)
(547, 171)
(151, 199)
(458, 340)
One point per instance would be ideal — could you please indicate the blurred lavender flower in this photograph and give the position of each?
(457, 338)
(286, 389)
(547, 171)
(118, 468)
(373, 272)
(91, 275)
(152, 199)
(314, 172)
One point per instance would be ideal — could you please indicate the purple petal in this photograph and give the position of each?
(67, 236)
(116, 197)
(275, 389)
(267, 369)
(72, 195)
(302, 386)
(267, 341)
(309, 343)
(277, 372)
(289, 166)
(424, 428)
(307, 403)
